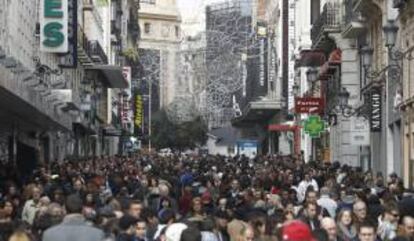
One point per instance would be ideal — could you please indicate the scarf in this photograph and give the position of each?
(348, 232)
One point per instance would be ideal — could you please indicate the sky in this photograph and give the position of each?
(192, 12)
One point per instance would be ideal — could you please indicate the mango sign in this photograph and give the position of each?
(54, 26)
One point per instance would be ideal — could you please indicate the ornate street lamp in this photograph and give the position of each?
(367, 59)
(367, 55)
(312, 74)
(343, 98)
(344, 108)
(390, 32)
(295, 89)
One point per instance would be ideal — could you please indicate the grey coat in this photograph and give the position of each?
(73, 228)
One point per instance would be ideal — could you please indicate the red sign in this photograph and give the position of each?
(309, 105)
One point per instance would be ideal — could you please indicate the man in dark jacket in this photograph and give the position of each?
(310, 215)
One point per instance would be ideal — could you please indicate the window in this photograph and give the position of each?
(148, 1)
(147, 28)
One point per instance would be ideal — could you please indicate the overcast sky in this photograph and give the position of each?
(192, 13)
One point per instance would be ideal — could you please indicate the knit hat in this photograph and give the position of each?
(297, 231)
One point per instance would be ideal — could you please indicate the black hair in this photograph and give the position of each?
(73, 204)
(190, 234)
(320, 234)
(367, 224)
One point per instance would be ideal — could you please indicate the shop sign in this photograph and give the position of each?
(70, 60)
(262, 63)
(308, 105)
(138, 111)
(375, 110)
(314, 126)
(54, 26)
(125, 110)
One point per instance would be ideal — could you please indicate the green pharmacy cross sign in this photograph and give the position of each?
(314, 126)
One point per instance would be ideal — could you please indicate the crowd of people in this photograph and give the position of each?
(203, 198)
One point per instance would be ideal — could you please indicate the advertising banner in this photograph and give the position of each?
(138, 119)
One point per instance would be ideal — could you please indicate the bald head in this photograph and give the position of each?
(408, 226)
(330, 226)
(164, 190)
(360, 210)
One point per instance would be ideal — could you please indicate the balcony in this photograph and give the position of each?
(97, 53)
(83, 55)
(90, 52)
(354, 21)
(328, 22)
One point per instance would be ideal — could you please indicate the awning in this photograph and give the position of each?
(311, 58)
(112, 74)
(258, 111)
(330, 66)
(28, 116)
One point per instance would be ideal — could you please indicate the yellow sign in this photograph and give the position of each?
(138, 111)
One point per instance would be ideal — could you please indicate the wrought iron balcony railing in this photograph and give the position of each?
(328, 21)
(90, 52)
(353, 23)
(97, 53)
(349, 11)
(83, 45)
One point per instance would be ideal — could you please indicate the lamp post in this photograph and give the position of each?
(296, 90)
(312, 75)
(390, 31)
(344, 108)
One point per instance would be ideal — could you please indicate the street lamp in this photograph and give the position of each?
(343, 98)
(295, 89)
(367, 59)
(312, 74)
(367, 55)
(390, 32)
(345, 109)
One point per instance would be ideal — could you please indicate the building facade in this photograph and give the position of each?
(405, 43)
(160, 22)
(56, 93)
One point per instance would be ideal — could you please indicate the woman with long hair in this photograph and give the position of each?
(346, 229)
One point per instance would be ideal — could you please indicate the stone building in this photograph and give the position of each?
(405, 42)
(160, 24)
(55, 100)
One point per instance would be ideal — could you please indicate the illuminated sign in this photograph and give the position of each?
(138, 111)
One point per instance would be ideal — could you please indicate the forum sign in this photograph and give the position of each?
(54, 26)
